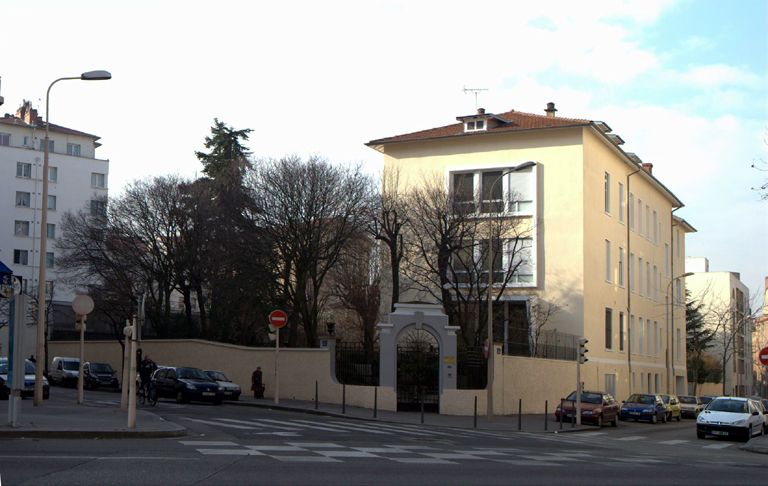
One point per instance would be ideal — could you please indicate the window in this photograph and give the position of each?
(474, 125)
(22, 199)
(631, 272)
(607, 261)
(21, 228)
(678, 348)
(632, 332)
(20, 257)
(610, 384)
(521, 260)
(621, 331)
(655, 228)
(677, 242)
(51, 231)
(655, 283)
(678, 292)
(648, 336)
(98, 207)
(640, 217)
(463, 191)
(73, 149)
(53, 174)
(648, 279)
(50, 145)
(497, 265)
(23, 169)
(98, 180)
(649, 383)
(621, 203)
(647, 222)
(621, 267)
(640, 276)
(49, 259)
(656, 382)
(607, 193)
(666, 260)
(51, 202)
(492, 192)
(608, 328)
(463, 261)
(5, 138)
(639, 335)
(655, 338)
(631, 212)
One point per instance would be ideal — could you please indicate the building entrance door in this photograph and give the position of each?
(418, 371)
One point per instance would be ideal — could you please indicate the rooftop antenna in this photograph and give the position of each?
(475, 91)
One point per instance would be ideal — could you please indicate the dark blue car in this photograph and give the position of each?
(643, 406)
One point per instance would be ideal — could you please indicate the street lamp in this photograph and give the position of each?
(670, 361)
(491, 351)
(40, 348)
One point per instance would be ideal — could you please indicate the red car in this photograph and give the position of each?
(596, 407)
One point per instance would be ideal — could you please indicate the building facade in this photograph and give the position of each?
(78, 180)
(602, 244)
(727, 311)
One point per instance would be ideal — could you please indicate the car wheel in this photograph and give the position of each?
(615, 422)
(664, 418)
(600, 421)
(654, 418)
(179, 396)
(701, 435)
(679, 417)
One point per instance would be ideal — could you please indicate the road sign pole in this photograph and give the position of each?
(277, 361)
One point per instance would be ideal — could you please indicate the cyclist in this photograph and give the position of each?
(146, 368)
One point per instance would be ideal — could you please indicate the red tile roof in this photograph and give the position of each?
(515, 121)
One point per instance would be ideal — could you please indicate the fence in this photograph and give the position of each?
(547, 344)
(357, 366)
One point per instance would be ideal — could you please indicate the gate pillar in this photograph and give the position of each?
(420, 316)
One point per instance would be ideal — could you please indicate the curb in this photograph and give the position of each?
(92, 434)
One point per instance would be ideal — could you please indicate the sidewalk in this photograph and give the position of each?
(72, 421)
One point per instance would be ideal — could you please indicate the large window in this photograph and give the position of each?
(647, 222)
(639, 335)
(608, 269)
(608, 328)
(5, 138)
(631, 212)
(655, 227)
(607, 193)
(498, 260)
(640, 216)
(98, 207)
(51, 202)
(51, 230)
(621, 331)
(50, 145)
(73, 149)
(622, 207)
(22, 199)
(20, 257)
(49, 260)
(464, 191)
(648, 280)
(631, 272)
(21, 228)
(53, 174)
(492, 192)
(621, 267)
(98, 180)
(655, 283)
(23, 169)
(640, 276)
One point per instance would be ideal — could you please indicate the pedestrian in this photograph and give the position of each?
(32, 358)
(256, 383)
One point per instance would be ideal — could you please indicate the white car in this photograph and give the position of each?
(730, 417)
(29, 380)
(230, 391)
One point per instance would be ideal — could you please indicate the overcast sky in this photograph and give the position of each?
(682, 82)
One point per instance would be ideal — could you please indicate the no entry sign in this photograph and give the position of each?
(278, 319)
(763, 356)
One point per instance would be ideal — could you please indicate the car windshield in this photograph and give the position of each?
(101, 368)
(217, 375)
(691, 400)
(29, 367)
(728, 405)
(705, 400)
(645, 399)
(192, 374)
(586, 397)
(665, 398)
(71, 365)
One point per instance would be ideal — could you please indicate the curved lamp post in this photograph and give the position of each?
(669, 307)
(40, 348)
(491, 350)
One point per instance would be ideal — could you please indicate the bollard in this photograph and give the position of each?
(316, 395)
(546, 414)
(474, 421)
(422, 412)
(520, 414)
(375, 401)
(344, 398)
(562, 411)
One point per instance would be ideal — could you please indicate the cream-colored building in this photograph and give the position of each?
(726, 310)
(760, 342)
(604, 246)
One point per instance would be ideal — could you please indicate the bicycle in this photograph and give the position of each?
(147, 393)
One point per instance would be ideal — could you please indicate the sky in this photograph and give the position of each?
(683, 82)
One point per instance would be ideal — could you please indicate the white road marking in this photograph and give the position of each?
(631, 437)
(305, 459)
(420, 460)
(674, 442)
(229, 452)
(219, 424)
(276, 448)
(346, 454)
(313, 425)
(207, 443)
(450, 455)
(717, 446)
(315, 445)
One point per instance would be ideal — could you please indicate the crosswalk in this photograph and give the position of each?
(299, 427)
(585, 438)
(330, 452)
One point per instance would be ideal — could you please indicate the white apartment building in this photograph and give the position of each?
(726, 309)
(77, 180)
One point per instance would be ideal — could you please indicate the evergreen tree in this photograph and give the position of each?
(698, 339)
(228, 155)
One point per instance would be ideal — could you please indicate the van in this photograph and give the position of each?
(64, 371)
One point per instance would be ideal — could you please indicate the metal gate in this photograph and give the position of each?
(418, 372)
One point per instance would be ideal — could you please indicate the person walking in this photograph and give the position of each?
(256, 383)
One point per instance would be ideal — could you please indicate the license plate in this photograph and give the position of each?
(634, 413)
(227, 392)
(208, 394)
(719, 432)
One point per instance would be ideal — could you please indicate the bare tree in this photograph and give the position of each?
(310, 210)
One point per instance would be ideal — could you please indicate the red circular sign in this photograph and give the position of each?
(763, 356)
(278, 319)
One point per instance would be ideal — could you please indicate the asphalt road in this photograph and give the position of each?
(232, 444)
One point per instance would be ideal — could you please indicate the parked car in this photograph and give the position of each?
(690, 406)
(596, 407)
(229, 390)
(99, 375)
(64, 371)
(186, 384)
(730, 417)
(643, 406)
(672, 405)
(764, 411)
(29, 381)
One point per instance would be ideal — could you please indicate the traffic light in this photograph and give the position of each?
(583, 350)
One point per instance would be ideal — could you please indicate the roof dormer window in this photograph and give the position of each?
(474, 125)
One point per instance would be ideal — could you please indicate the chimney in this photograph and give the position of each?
(550, 111)
(28, 114)
(648, 167)
(481, 111)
